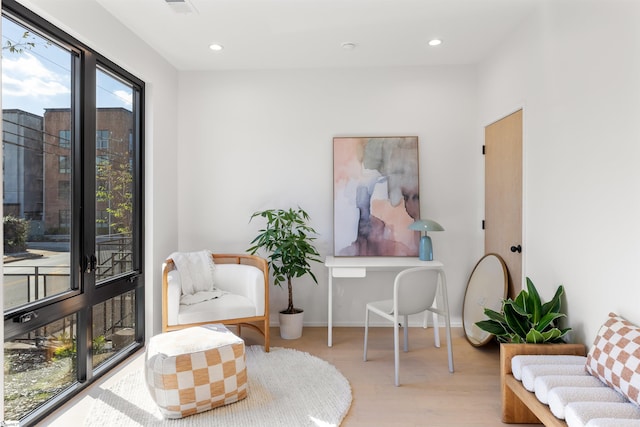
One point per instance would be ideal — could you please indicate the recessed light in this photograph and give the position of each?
(435, 42)
(216, 47)
(348, 45)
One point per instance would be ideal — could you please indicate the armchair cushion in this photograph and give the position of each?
(229, 306)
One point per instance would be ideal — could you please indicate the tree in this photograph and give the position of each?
(114, 185)
(16, 231)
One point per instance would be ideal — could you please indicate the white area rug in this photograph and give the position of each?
(286, 388)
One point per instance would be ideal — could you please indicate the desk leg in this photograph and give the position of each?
(330, 308)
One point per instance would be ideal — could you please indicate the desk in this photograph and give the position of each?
(357, 267)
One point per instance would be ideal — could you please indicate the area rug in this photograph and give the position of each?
(286, 388)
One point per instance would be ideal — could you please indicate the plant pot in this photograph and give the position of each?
(291, 325)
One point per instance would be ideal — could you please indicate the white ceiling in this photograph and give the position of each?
(269, 34)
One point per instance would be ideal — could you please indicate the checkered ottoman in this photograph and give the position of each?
(195, 369)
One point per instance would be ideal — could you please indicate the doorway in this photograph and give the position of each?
(503, 194)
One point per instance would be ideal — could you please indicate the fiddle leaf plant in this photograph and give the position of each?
(526, 319)
(288, 238)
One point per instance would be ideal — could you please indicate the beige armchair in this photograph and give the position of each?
(244, 279)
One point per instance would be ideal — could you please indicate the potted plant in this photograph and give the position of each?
(526, 319)
(288, 239)
(526, 326)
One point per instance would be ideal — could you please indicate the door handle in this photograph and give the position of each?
(516, 248)
(89, 263)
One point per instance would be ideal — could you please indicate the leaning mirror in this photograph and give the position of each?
(487, 287)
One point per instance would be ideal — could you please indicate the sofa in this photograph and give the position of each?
(561, 386)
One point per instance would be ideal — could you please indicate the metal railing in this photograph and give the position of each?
(32, 283)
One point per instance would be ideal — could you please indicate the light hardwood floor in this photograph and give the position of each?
(428, 395)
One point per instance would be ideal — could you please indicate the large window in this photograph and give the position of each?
(73, 214)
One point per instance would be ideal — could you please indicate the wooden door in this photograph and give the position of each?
(503, 194)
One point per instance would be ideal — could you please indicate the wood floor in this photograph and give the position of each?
(428, 395)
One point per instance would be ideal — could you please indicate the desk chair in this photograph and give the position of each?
(415, 290)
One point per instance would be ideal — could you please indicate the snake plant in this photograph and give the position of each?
(526, 319)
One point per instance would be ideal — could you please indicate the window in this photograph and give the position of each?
(77, 311)
(64, 164)
(64, 138)
(102, 140)
(64, 190)
(48, 354)
(64, 221)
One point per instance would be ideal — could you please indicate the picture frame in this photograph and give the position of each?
(376, 196)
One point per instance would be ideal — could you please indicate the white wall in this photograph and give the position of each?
(253, 140)
(575, 68)
(91, 24)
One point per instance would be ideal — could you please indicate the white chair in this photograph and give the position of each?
(415, 290)
(245, 281)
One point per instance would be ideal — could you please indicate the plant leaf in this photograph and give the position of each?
(554, 305)
(494, 315)
(516, 322)
(548, 320)
(491, 326)
(534, 302)
(534, 337)
(552, 335)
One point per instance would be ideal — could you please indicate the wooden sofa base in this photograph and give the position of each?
(520, 406)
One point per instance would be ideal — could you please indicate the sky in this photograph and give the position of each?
(39, 76)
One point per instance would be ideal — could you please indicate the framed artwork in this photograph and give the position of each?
(376, 196)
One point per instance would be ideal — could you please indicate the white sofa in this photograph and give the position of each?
(601, 389)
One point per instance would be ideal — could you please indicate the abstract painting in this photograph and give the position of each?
(376, 196)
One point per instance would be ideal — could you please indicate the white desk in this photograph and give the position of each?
(357, 267)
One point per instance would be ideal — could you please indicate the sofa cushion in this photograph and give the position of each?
(560, 397)
(544, 384)
(522, 360)
(531, 372)
(615, 356)
(612, 422)
(578, 414)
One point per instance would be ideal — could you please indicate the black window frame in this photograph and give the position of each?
(84, 293)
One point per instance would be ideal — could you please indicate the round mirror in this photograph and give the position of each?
(487, 287)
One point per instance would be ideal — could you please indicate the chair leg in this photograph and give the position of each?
(449, 346)
(436, 330)
(396, 349)
(366, 333)
(406, 333)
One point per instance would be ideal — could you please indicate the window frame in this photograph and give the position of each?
(84, 294)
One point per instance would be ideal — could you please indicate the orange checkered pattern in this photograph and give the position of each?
(186, 384)
(615, 356)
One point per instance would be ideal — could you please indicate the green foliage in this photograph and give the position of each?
(288, 238)
(526, 319)
(67, 347)
(27, 42)
(114, 185)
(98, 344)
(16, 231)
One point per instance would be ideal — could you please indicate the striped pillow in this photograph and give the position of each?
(615, 356)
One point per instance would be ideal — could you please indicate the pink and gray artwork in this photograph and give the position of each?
(376, 196)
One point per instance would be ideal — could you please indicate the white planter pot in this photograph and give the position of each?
(291, 325)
